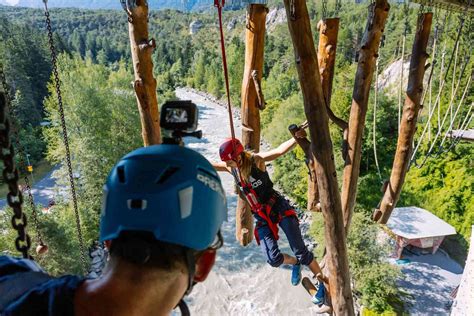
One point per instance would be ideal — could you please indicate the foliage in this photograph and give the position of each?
(374, 279)
(103, 125)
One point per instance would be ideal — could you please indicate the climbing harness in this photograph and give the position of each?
(10, 175)
(41, 248)
(57, 84)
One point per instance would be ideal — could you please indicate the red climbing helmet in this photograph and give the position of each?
(231, 149)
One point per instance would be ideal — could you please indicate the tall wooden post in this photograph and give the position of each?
(316, 114)
(409, 119)
(368, 54)
(253, 69)
(144, 83)
(328, 30)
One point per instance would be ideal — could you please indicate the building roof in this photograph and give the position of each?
(464, 302)
(413, 222)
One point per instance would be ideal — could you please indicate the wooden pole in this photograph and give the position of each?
(368, 53)
(253, 69)
(328, 30)
(144, 83)
(316, 114)
(411, 109)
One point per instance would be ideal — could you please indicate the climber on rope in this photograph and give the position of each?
(162, 212)
(269, 207)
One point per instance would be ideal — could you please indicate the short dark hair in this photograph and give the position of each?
(142, 248)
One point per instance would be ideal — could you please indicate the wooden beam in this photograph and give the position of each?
(316, 114)
(368, 54)
(144, 83)
(411, 109)
(254, 47)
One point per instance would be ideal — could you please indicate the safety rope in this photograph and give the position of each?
(21, 155)
(219, 4)
(64, 131)
(324, 9)
(10, 175)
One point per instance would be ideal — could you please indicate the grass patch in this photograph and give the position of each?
(39, 172)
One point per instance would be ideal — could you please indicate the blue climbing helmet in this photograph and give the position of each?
(171, 191)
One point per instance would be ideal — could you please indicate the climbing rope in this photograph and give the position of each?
(11, 176)
(41, 245)
(440, 90)
(57, 84)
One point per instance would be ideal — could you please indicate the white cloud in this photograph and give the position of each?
(12, 2)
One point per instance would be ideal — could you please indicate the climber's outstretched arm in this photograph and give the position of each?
(282, 149)
(220, 166)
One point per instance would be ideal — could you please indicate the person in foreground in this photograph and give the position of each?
(269, 207)
(162, 211)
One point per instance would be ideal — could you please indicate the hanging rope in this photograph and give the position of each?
(440, 90)
(65, 136)
(374, 139)
(406, 12)
(467, 120)
(42, 248)
(466, 89)
(430, 150)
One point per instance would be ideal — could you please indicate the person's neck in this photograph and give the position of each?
(125, 290)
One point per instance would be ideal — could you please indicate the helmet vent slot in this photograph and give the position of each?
(167, 174)
(121, 174)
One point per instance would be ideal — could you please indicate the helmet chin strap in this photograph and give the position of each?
(191, 264)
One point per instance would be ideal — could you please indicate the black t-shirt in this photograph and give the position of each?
(25, 289)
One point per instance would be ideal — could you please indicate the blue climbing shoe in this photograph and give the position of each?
(296, 274)
(318, 298)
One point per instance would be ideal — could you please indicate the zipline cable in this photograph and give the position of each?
(65, 135)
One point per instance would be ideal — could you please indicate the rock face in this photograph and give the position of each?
(195, 26)
(389, 79)
(274, 17)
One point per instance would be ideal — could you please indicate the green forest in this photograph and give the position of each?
(103, 121)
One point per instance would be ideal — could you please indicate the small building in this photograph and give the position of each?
(417, 227)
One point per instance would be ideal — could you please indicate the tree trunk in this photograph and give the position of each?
(254, 46)
(409, 117)
(360, 96)
(145, 83)
(315, 110)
